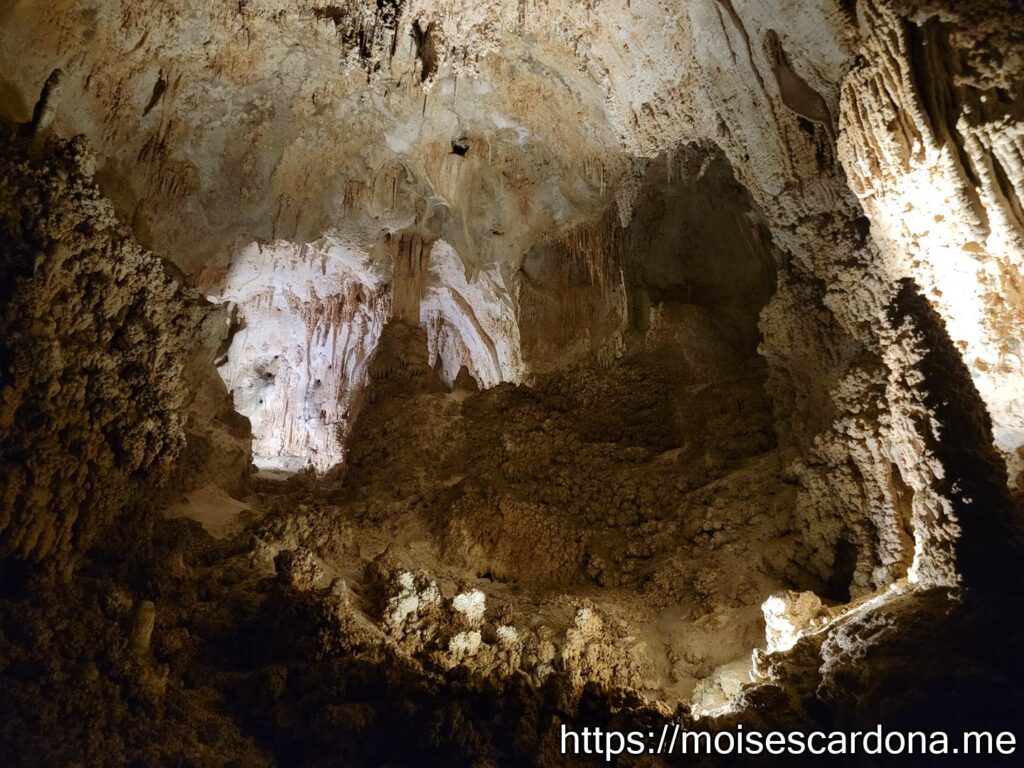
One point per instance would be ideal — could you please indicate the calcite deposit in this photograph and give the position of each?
(104, 351)
(395, 382)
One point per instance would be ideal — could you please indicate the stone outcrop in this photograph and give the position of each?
(103, 349)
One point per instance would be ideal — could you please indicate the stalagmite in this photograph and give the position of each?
(143, 622)
(46, 107)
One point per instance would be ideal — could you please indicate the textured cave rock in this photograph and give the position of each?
(615, 334)
(104, 349)
(307, 320)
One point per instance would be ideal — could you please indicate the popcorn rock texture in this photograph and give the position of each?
(99, 340)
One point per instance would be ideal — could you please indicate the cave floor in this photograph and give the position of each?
(621, 523)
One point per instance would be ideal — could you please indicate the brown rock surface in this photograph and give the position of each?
(581, 344)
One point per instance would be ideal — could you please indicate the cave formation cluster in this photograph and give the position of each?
(389, 382)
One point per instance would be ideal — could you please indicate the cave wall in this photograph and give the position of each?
(683, 267)
(874, 464)
(471, 320)
(931, 143)
(107, 375)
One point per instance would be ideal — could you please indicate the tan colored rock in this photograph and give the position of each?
(787, 616)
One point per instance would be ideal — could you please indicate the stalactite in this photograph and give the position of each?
(300, 401)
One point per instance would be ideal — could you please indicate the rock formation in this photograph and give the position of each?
(381, 380)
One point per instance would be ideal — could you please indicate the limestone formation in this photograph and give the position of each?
(102, 346)
(391, 383)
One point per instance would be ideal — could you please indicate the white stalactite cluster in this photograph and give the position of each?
(310, 319)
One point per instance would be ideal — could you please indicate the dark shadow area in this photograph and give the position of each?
(989, 549)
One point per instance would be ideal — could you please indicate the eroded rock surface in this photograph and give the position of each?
(103, 351)
(615, 334)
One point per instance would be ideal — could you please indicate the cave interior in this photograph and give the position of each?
(395, 383)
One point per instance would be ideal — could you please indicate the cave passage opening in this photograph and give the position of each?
(598, 437)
